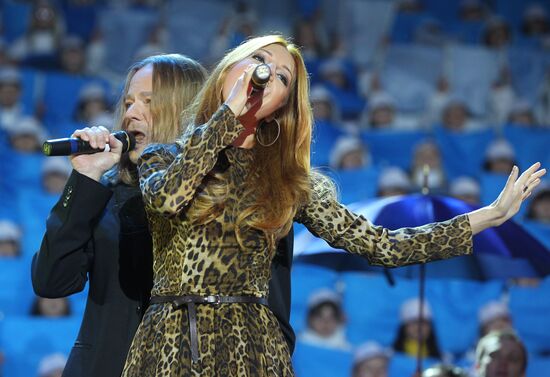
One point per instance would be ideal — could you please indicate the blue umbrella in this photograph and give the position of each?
(507, 251)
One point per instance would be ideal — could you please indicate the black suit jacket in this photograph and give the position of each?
(99, 232)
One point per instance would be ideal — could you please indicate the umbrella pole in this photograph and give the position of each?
(421, 290)
(421, 285)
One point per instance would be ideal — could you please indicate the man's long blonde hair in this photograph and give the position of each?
(176, 81)
(279, 180)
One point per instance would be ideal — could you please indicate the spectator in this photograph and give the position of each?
(535, 21)
(10, 239)
(428, 154)
(381, 111)
(497, 33)
(349, 153)
(501, 353)
(501, 97)
(43, 34)
(437, 102)
(50, 307)
(442, 370)
(52, 365)
(499, 157)
(472, 11)
(55, 172)
(457, 117)
(522, 114)
(393, 181)
(539, 207)
(11, 108)
(27, 136)
(494, 316)
(325, 321)
(324, 107)
(312, 43)
(416, 331)
(72, 56)
(466, 189)
(371, 360)
(92, 102)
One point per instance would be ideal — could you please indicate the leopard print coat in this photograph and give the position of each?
(241, 339)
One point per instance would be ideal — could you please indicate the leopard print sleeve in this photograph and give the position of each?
(169, 177)
(341, 228)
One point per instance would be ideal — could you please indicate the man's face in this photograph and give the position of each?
(138, 119)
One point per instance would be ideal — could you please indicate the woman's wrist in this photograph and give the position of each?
(485, 217)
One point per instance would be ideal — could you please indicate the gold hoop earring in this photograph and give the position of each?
(261, 130)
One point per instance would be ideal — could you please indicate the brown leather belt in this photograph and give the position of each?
(191, 300)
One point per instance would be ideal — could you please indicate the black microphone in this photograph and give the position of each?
(72, 145)
(260, 77)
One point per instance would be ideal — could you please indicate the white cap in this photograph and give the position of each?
(51, 363)
(57, 165)
(410, 310)
(319, 93)
(10, 75)
(343, 145)
(28, 125)
(534, 11)
(393, 178)
(493, 310)
(72, 42)
(370, 350)
(9, 231)
(381, 100)
(104, 119)
(464, 186)
(521, 106)
(500, 149)
(331, 66)
(323, 295)
(92, 91)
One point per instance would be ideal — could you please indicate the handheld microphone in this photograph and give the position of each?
(260, 77)
(71, 145)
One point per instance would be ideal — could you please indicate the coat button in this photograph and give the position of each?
(138, 309)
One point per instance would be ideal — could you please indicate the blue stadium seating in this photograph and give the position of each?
(23, 349)
(311, 361)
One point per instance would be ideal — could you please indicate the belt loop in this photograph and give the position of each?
(192, 313)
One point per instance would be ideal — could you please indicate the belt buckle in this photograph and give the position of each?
(214, 299)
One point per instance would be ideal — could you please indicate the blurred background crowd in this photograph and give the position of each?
(462, 86)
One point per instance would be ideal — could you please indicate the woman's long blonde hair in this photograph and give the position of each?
(279, 180)
(176, 81)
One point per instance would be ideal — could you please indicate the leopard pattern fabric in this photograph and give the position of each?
(241, 339)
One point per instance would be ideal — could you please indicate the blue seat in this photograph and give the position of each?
(80, 19)
(61, 96)
(472, 73)
(410, 75)
(311, 361)
(15, 16)
(124, 32)
(35, 206)
(405, 24)
(540, 231)
(307, 279)
(16, 295)
(324, 136)
(372, 306)
(402, 365)
(530, 144)
(25, 341)
(529, 308)
(392, 148)
(462, 152)
(538, 366)
(491, 185)
(357, 184)
(455, 306)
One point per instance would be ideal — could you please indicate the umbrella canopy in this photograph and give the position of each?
(507, 251)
